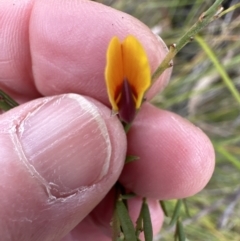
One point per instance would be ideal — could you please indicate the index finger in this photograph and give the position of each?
(68, 42)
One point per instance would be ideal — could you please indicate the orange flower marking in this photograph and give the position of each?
(127, 76)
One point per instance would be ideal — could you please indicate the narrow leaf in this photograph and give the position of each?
(147, 223)
(116, 227)
(176, 212)
(139, 223)
(130, 158)
(180, 231)
(128, 196)
(6, 102)
(4, 105)
(127, 127)
(125, 221)
(164, 208)
(231, 158)
(220, 68)
(186, 207)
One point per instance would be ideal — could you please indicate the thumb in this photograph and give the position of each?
(59, 157)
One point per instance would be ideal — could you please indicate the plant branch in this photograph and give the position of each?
(211, 14)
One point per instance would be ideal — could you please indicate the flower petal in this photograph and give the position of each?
(114, 72)
(136, 68)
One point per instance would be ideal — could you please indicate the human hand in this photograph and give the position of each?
(62, 153)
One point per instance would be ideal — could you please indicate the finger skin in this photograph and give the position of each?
(61, 47)
(52, 47)
(29, 208)
(85, 46)
(176, 159)
(15, 55)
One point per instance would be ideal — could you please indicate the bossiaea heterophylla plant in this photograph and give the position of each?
(128, 77)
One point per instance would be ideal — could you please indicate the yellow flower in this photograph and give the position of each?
(127, 76)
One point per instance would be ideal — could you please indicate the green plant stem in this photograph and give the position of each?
(205, 18)
(232, 8)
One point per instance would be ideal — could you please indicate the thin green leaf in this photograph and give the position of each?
(147, 223)
(8, 98)
(6, 102)
(130, 158)
(186, 207)
(125, 221)
(164, 208)
(128, 196)
(180, 231)
(127, 127)
(220, 68)
(116, 227)
(139, 224)
(176, 212)
(4, 105)
(232, 159)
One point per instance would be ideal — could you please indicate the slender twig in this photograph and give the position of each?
(232, 8)
(211, 14)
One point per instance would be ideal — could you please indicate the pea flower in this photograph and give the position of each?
(127, 76)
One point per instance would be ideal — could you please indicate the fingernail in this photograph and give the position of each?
(65, 143)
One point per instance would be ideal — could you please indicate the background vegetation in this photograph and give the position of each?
(199, 93)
